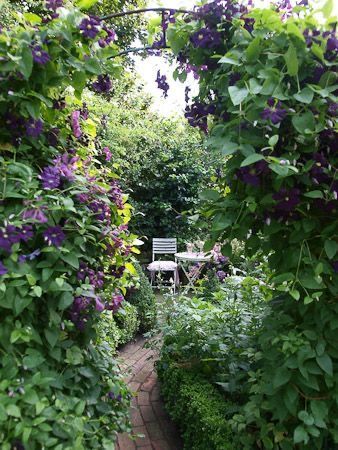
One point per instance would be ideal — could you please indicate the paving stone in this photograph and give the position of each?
(162, 445)
(143, 398)
(144, 440)
(142, 376)
(125, 442)
(154, 430)
(148, 414)
(134, 386)
(159, 409)
(136, 417)
(149, 384)
(155, 393)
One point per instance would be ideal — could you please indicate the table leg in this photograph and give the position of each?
(192, 278)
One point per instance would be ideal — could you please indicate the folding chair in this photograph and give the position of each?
(164, 246)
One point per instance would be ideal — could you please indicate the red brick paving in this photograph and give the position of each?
(151, 424)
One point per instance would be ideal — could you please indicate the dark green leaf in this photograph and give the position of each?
(291, 60)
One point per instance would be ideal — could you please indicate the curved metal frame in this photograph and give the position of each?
(140, 11)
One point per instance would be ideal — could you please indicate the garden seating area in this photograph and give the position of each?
(168, 281)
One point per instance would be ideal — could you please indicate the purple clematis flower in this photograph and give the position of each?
(335, 266)
(3, 269)
(254, 174)
(274, 112)
(25, 233)
(35, 214)
(197, 115)
(30, 256)
(34, 128)
(107, 153)
(90, 27)
(317, 171)
(50, 177)
(54, 4)
(162, 83)
(112, 396)
(333, 109)
(332, 44)
(310, 37)
(75, 122)
(287, 199)
(103, 84)
(54, 236)
(52, 136)
(12, 235)
(116, 302)
(59, 104)
(206, 38)
(40, 56)
(110, 37)
(99, 306)
(221, 275)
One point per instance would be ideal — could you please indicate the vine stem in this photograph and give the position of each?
(307, 397)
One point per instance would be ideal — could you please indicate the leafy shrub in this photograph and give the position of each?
(217, 339)
(164, 163)
(143, 297)
(208, 285)
(108, 331)
(127, 321)
(199, 409)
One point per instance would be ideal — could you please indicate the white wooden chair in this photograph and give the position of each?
(164, 246)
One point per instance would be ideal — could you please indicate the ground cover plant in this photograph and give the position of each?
(268, 97)
(64, 240)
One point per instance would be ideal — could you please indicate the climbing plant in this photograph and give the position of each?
(268, 102)
(64, 241)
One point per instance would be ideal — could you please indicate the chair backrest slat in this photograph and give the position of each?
(164, 246)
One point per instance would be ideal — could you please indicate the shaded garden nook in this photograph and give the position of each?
(243, 181)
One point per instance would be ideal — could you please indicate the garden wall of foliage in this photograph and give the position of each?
(64, 241)
(164, 163)
(268, 96)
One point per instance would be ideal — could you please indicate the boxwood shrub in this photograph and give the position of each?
(127, 322)
(142, 296)
(198, 407)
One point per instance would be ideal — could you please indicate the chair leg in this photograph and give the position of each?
(175, 281)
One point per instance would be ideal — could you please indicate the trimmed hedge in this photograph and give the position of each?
(108, 331)
(198, 408)
(145, 301)
(127, 321)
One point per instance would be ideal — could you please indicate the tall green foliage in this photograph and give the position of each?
(63, 240)
(268, 82)
(164, 163)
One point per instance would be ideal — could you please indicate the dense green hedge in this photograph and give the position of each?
(163, 161)
(142, 296)
(199, 409)
(127, 322)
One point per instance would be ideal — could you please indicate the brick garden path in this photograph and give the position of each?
(148, 415)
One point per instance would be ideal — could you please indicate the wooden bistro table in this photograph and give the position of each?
(189, 257)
